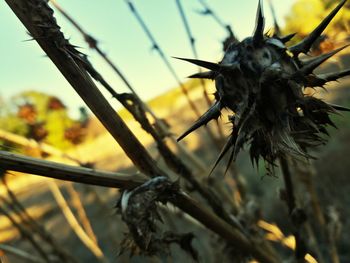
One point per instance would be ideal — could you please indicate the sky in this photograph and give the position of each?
(24, 66)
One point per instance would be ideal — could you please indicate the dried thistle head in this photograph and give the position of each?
(262, 81)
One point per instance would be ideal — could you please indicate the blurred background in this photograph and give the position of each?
(42, 116)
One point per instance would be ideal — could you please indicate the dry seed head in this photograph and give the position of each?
(262, 81)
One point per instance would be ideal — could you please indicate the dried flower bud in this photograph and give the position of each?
(262, 82)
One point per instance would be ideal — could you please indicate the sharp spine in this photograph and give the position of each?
(305, 45)
(313, 63)
(258, 36)
(211, 114)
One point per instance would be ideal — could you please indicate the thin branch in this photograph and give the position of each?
(25, 233)
(135, 106)
(74, 224)
(21, 254)
(209, 11)
(71, 64)
(192, 42)
(46, 148)
(78, 205)
(34, 226)
(164, 130)
(20, 163)
(183, 201)
(296, 217)
(156, 47)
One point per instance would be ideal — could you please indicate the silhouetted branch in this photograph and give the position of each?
(136, 107)
(209, 11)
(20, 163)
(297, 216)
(183, 201)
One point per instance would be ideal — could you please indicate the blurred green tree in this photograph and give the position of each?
(39, 116)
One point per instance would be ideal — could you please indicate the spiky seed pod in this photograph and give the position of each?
(262, 81)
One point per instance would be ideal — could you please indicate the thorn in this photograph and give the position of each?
(230, 160)
(205, 64)
(258, 35)
(335, 75)
(227, 147)
(212, 66)
(287, 38)
(338, 107)
(317, 61)
(305, 45)
(212, 113)
(322, 79)
(204, 75)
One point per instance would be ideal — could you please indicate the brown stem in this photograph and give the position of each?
(183, 201)
(300, 250)
(26, 234)
(43, 147)
(137, 108)
(71, 65)
(288, 184)
(34, 226)
(20, 163)
(93, 43)
(74, 224)
(79, 207)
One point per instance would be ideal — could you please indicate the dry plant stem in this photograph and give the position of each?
(26, 234)
(193, 46)
(46, 148)
(21, 254)
(216, 17)
(178, 166)
(55, 46)
(192, 41)
(334, 252)
(136, 108)
(20, 163)
(76, 202)
(43, 233)
(105, 212)
(306, 174)
(156, 47)
(192, 207)
(291, 203)
(93, 43)
(35, 226)
(74, 224)
(184, 202)
(313, 242)
(27, 218)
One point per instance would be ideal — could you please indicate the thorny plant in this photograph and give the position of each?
(40, 22)
(259, 79)
(262, 81)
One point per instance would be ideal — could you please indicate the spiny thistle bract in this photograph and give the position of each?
(262, 82)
